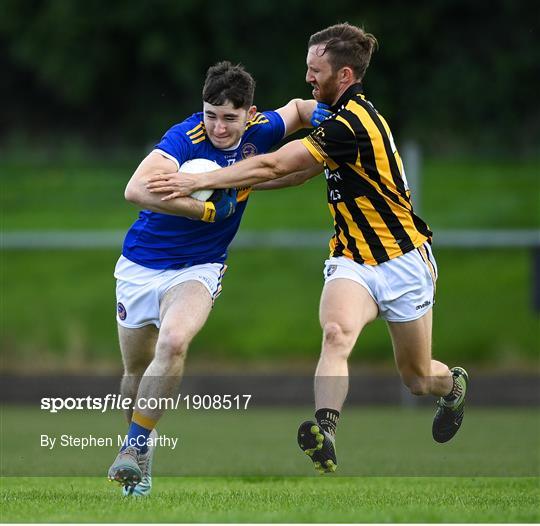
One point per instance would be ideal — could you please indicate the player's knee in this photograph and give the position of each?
(136, 367)
(336, 339)
(172, 346)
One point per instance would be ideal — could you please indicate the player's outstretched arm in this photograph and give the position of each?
(294, 179)
(136, 192)
(296, 114)
(291, 158)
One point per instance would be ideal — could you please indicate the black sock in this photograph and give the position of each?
(327, 419)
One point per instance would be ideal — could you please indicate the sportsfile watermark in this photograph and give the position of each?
(111, 402)
(226, 425)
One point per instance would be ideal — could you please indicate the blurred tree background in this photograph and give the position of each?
(453, 74)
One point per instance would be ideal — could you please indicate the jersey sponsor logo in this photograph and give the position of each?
(332, 176)
(121, 310)
(330, 270)
(248, 150)
(318, 137)
(334, 195)
(231, 159)
(426, 303)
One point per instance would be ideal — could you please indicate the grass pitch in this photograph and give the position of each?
(280, 499)
(246, 467)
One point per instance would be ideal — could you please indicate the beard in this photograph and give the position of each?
(326, 91)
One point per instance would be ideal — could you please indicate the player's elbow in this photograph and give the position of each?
(130, 195)
(133, 195)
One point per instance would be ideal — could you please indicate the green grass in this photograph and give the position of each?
(481, 194)
(352, 500)
(58, 309)
(455, 194)
(372, 442)
(390, 470)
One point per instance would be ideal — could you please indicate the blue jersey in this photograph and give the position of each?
(162, 241)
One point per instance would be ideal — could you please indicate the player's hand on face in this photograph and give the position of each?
(320, 113)
(176, 184)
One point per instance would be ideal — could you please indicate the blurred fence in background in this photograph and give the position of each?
(273, 239)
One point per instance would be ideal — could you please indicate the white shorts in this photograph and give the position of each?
(403, 288)
(139, 289)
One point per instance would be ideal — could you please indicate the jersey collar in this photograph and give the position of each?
(349, 93)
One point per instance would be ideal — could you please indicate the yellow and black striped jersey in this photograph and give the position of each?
(368, 195)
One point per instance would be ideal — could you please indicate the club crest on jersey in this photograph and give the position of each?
(330, 270)
(248, 150)
(121, 310)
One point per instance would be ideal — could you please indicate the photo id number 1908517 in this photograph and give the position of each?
(226, 401)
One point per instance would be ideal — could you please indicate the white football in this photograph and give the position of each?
(197, 166)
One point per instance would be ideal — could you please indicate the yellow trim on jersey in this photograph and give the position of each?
(243, 194)
(193, 130)
(198, 134)
(314, 149)
(259, 118)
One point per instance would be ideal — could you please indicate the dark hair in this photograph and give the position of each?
(346, 45)
(226, 82)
